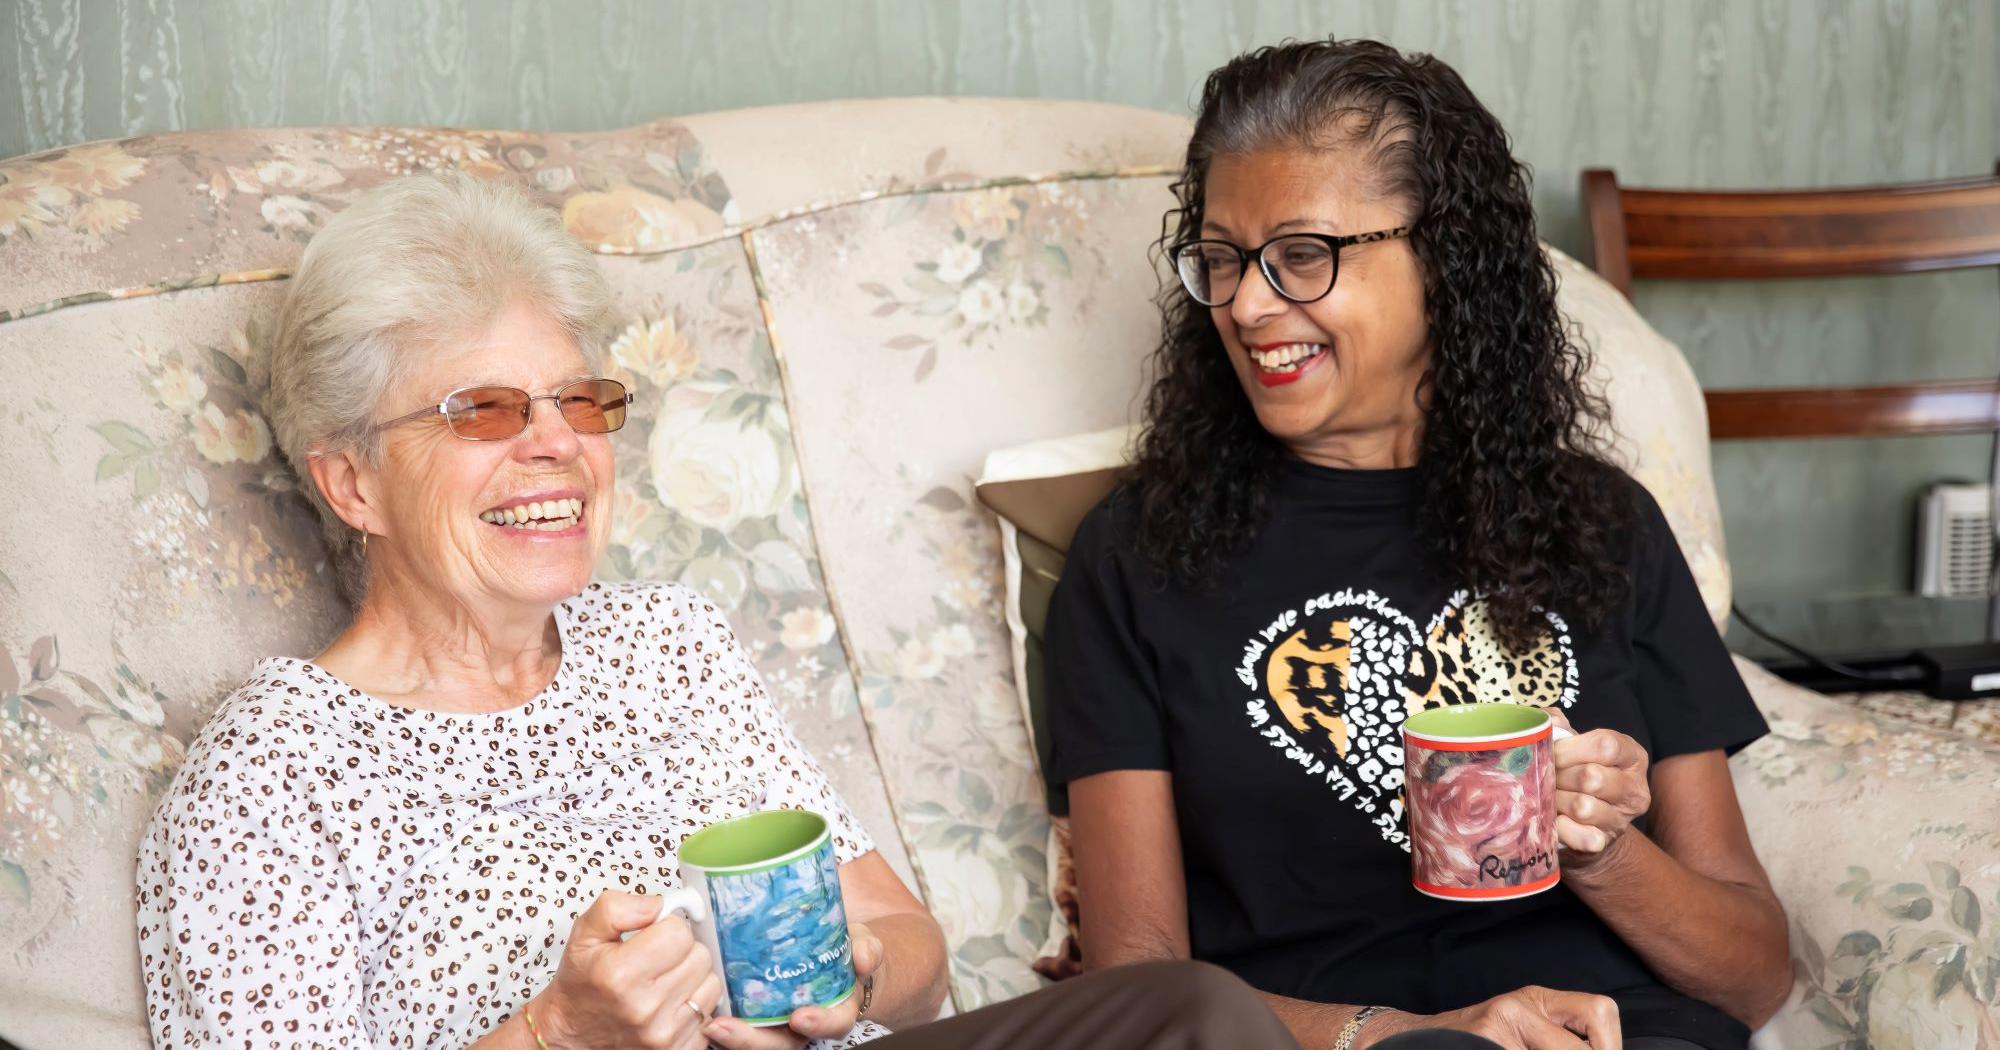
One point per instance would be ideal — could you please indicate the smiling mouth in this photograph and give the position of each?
(553, 515)
(1281, 363)
(1285, 358)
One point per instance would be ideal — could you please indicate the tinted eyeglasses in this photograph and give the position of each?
(496, 413)
(1299, 266)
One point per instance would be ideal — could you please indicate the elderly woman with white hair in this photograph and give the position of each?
(452, 826)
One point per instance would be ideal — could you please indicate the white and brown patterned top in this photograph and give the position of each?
(330, 870)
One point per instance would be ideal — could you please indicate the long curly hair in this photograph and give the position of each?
(1519, 501)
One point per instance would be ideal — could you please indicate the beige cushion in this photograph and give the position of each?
(1040, 492)
(918, 333)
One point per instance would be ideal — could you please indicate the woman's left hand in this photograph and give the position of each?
(811, 1023)
(1601, 788)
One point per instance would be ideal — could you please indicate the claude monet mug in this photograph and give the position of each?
(776, 925)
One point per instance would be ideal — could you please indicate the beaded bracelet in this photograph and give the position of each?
(1353, 1028)
(534, 1029)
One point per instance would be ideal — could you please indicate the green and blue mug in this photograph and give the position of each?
(763, 893)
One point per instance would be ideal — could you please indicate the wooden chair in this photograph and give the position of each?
(1699, 234)
(1811, 233)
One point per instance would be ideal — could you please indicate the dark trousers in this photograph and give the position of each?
(1150, 1006)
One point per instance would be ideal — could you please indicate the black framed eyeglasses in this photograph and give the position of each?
(496, 413)
(1299, 266)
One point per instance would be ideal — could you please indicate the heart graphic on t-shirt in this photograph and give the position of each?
(1340, 683)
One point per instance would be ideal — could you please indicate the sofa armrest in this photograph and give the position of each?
(1883, 840)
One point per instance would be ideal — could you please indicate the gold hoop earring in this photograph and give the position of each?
(364, 543)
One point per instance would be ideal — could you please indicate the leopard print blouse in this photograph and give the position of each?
(330, 870)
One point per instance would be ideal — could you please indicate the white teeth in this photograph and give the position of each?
(547, 515)
(1280, 359)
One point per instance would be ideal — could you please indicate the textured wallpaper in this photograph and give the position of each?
(1668, 92)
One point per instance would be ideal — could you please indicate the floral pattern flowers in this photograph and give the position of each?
(1928, 978)
(69, 189)
(1005, 245)
(1894, 948)
(71, 752)
(720, 456)
(655, 349)
(631, 218)
(195, 386)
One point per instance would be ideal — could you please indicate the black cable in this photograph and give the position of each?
(1899, 675)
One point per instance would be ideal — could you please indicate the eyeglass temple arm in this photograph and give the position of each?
(430, 410)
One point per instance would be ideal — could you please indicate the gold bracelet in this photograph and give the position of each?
(1353, 1027)
(867, 995)
(534, 1029)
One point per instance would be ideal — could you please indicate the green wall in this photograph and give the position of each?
(1668, 92)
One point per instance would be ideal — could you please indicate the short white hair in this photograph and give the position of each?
(403, 268)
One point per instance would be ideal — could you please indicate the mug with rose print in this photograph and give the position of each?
(1480, 785)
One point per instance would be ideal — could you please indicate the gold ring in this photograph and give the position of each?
(698, 1011)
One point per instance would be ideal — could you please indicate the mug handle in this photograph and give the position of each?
(692, 901)
(689, 902)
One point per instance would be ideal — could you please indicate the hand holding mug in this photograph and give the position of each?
(656, 988)
(1601, 788)
(831, 1022)
(1526, 1019)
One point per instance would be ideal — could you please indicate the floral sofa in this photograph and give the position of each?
(832, 313)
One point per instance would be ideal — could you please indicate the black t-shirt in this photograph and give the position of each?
(1276, 698)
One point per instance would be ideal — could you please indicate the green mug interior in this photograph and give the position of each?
(756, 840)
(1472, 721)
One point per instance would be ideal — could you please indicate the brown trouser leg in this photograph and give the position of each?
(1156, 1006)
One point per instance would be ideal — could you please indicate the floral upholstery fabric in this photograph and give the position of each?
(901, 323)
(112, 219)
(1880, 836)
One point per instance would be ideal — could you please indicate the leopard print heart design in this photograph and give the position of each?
(1332, 682)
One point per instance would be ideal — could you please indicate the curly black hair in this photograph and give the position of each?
(1519, 498)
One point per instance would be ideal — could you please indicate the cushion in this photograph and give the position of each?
(1040, 493)
(918, 333)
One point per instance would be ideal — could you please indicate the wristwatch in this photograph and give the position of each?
(1353, 1027)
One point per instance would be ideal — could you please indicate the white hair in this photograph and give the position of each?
(404, 267)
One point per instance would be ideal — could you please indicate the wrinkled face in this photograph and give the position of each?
(518, 521)
(1336, 379)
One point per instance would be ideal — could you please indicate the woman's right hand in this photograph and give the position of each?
(1528, 1019)
(609, 991)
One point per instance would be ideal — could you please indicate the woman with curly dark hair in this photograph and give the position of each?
(1372, 481)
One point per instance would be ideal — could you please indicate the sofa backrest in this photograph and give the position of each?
(831, 313)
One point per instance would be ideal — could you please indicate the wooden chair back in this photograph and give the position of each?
(1653, 233)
